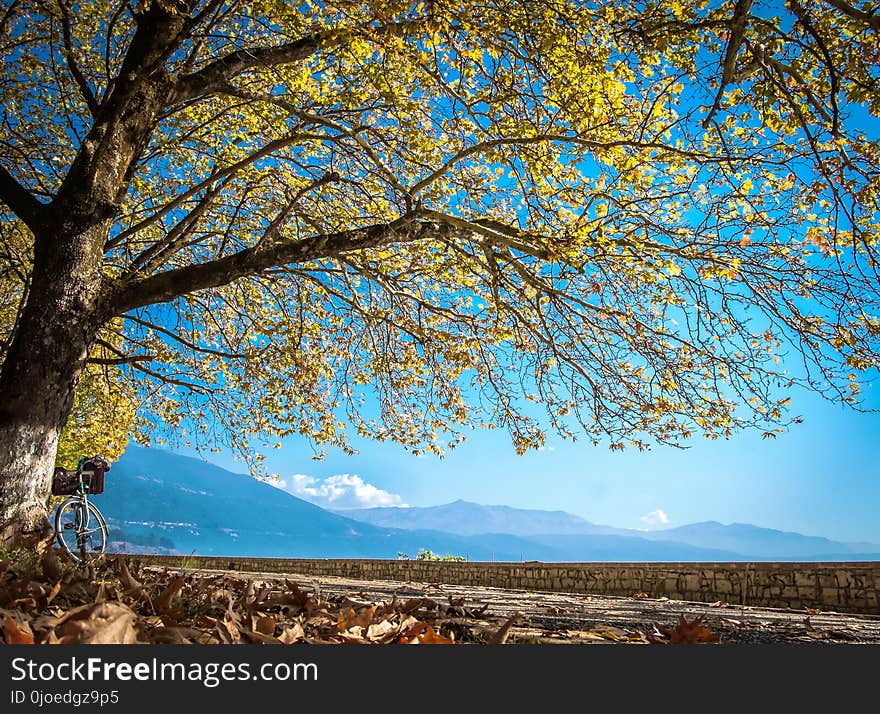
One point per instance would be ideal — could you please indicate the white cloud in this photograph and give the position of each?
(655, 519)
(340, 491)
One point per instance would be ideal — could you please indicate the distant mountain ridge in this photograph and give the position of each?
(466, 518)
(157, 501)
(747, 540)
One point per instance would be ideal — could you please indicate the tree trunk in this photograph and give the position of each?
(39, 375)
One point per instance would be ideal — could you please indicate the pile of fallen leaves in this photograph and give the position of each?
(46, 601)
(119, 602)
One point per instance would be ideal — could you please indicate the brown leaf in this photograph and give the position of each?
(15, 635)
(500, 637)
(179, 636)
(608, 632)
(131, 585)
(107, 623)
(49, 638)
(382, 631)
(265, 625)
(478, 612)
(431, 637)
(249, 595)
(50, 565)
(347, 619)
(812, 611)
(228, 632)
(684, 633)
(163, 602)
(172, 617)
(296, 597)
(416, 603)
(292, 634)
(421, 633)
(641, 596)
(28, 604)
(259, 638)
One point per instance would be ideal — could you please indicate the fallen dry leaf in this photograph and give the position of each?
(416, 603)
(228, 632)
(265, 625)
(292, 634)
(684, 633)
(349, 618)
(180, 636)
(131, 585)
(15, 635)
(379, 631)
(258, 638)
(107, 623)
(421, 633)
(610, 633)
(163, 602)
(500, 637)
(50, 565)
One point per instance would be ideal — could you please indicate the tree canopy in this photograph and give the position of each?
(640, 221)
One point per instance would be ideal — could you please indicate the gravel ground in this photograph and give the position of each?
(567, 618)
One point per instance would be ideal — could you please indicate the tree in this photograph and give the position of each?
(403, 220)
(104, 408)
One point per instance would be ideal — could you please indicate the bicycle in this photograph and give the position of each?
(80, 528)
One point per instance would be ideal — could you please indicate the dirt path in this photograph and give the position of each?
(572, 618)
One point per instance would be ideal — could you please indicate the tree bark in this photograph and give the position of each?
(38, 378)
(68, 296)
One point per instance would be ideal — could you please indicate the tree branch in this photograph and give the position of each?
(187, 343)
(212, 77)
(204, 183)
(736, 35)
(75, 72)
(869, 18)
(805, 20)
(215, 75)
(172, 284)
(20, 201)
(131, 359)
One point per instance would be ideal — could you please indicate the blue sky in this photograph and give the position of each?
(821, 478)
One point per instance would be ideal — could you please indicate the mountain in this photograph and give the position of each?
(760, 542)
(562, 530)
(465, 518)
(157, 501)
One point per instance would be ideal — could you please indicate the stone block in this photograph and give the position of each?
(723, 586)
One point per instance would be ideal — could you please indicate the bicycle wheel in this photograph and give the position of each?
(81, 532)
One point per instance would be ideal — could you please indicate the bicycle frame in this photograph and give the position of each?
(81, 509)
(83, 495)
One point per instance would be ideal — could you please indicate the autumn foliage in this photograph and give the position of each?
(636, 222)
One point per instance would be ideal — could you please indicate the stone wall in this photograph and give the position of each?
(842, 587)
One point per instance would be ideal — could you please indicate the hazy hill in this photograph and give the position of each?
(760, 542)
(162, 502)
(744, 540)
(157, 501)
(466, 518)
